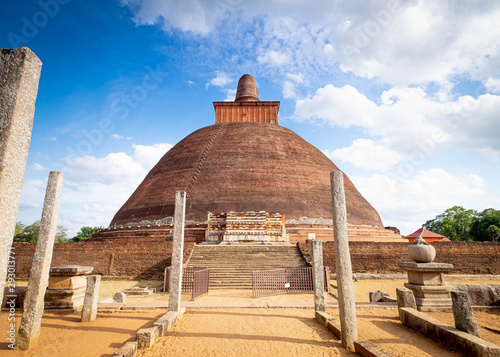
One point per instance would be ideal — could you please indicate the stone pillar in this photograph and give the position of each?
(89, 311)
(318, 275)
(462, 313)
(19, 73)
(174, 302)
(345, 286)
(29, 329)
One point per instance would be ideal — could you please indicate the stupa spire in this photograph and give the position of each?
(247, 89)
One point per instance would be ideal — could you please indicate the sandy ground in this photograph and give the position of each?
(238, 331)
(247, 332)
(62, 334)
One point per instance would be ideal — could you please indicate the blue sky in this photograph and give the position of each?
(403, 96)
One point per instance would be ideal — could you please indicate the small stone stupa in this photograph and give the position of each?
(425, 278)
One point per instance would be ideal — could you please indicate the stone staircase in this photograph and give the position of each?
(231, 266)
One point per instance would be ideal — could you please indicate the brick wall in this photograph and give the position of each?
(127, 258)
(146, 258)
(382, 258)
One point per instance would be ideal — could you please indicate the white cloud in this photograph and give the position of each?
(406, 125)
(274, 58)
(401, 43)
(149, 155)
(96, 187)
(230, 95)
(408, 203)
(53, 138)
(38, 167)
(221, 79)
(118, 137)
(493, 85)
(368, 154)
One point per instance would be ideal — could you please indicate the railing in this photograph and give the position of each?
(285, 281)
(194, 280)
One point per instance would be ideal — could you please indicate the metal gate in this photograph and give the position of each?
(285, 281)
(194, 280)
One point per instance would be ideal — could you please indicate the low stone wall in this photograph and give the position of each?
(146, 258)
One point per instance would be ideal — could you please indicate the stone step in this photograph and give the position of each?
(232, 266)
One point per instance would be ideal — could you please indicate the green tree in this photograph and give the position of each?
(85, 233)
(494, 232)
(30, 233)
(454, 223)
(485, 219)
(19, 228)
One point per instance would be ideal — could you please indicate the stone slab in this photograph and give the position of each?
(67, 282)
(71, 270)
(426, 302)
(432, 292)
(64, 295)
(57, 304)
(128, 349)
(166, 322)
(146, 337)
(334, 327)
(413, 266)
(449, 336)
(431, 278)
(322, 317)
(366, 348)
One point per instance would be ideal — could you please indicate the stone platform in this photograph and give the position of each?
(67, 286)
(426, 282)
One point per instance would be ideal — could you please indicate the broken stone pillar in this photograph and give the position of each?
(462, 313)
(318, 275)
(29, 329)
(19, 73)
(120, 297)
(405, 298)
(345, 285)
(174, 301)
(89, 310)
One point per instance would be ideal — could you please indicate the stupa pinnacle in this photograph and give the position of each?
(247, 89)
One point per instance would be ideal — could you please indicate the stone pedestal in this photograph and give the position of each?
(67, 286)
(426, 282)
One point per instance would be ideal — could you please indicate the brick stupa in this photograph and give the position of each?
(247, 162)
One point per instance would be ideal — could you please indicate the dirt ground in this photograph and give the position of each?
(247, 332)
(238, 331)
(62, 334)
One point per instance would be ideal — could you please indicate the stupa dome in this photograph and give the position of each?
(245, 162)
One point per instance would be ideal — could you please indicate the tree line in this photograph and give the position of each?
(460, 224)
(29, 234)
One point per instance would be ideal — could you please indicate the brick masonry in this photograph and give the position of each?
(146, 258)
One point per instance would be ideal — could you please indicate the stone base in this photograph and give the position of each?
(433, 304)
(139, 291)
(74, 304)
(67, 282)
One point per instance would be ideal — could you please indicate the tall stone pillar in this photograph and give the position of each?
(174, 301)
(29, 329)
(318, 275)
(345, 286)
(19, 74)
